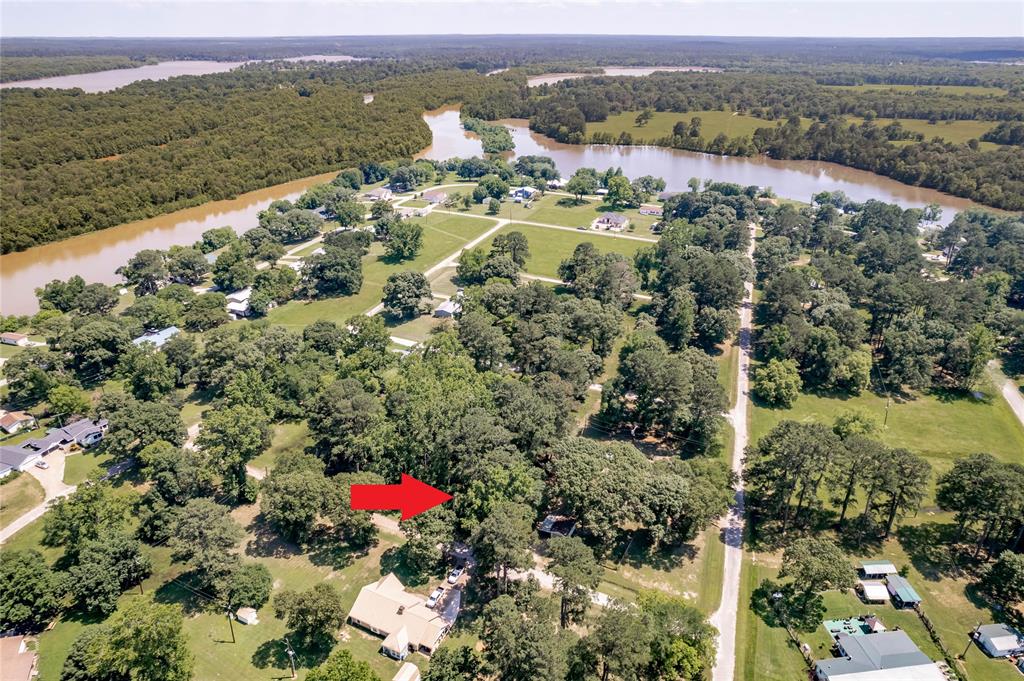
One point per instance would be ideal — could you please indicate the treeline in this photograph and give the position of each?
(79, 162)
(29, 68)
(494, 138)
(993, 177)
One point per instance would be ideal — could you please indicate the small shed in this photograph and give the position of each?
(872, 591)
(247, 616)
(407, 672)
(657, 211)
(999, 640)
(903, 595)
(877, 568)
(556, 526)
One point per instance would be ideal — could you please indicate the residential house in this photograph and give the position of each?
(238, 302)
(407, 672)
(448, 308)
(435, 197)
(379, 194)
(385, 608)
(520, 194)
(83, 433)
(903, 595)
(557, 184)
(13, 421)
(9, 338)
(613, 222)
(885, 656)
(157, 338)
(17, 662)
(999, 640)
(657, 211)
(877, 568)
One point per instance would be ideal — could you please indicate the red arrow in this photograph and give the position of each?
(411, 497)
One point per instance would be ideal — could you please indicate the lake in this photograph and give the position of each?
(552, 78)
(104, 81)
(96, 255)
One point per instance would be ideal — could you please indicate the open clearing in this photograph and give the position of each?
(17, 496)
(549, 247)
(713, 122)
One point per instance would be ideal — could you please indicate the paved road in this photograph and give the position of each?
(1009, 389)
(52, 481)
(724, 618)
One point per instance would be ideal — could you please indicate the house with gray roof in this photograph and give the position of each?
(157, 338)
(884, 656)
(999, 640)
(84, 433)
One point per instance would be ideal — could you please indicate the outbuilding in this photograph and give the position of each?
(448, 308)
(903, 595)
(999, 640)
(247, 616)
(407, 672)
(872, 591)
(877, 568)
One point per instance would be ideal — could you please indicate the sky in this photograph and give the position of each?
(237, 18)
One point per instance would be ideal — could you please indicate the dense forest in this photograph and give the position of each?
(803, 120)
(27, 68)
(76, 162)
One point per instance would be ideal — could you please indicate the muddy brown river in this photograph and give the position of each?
(95, 256)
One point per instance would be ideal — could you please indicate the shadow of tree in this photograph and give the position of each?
(267, 543)
(642, 553)
(928, 546)
(331, 552)
(274, 653)
(395, 560)
(183, 591)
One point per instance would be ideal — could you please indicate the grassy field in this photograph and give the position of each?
(712, 123)
(549, 247)
(18, 496)
(974, 90)
(546, 209)
(763, 653)
(956, 132)
(939, 429)
(442, 236)
(83, 465)
(287, 437)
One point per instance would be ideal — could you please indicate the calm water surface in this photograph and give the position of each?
(552, 78)
(104, 81)
(96, 255)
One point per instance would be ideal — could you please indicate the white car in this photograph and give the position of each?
(42, 464)
(435, 597)
(454, 575)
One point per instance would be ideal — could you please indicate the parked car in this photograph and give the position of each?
(454, 575)
(435, 597)
(42, 464)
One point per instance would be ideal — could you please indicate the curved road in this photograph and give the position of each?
(724, 619)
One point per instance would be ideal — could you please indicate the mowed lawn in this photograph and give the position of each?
(712, 123)
(549, 247)
(442, 236)
(957, 132)
(287, 437)
(941, 430)
(17, 496)
(83, 465)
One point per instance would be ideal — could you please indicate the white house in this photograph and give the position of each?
(385, 608)
(612, 222)
(379, 194)
(13, 421)
(9, 338)
(157, 338)
(238, 302)
(999, 640)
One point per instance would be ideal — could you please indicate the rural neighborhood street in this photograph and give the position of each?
(724, 619)
(1009, 389)
(52, 481)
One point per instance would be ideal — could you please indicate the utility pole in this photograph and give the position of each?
(970, 640)
(231, 625)
(291, 656)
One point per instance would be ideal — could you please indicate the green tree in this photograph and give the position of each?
(313, 615)
(620, 192)
(186, 265)
(143, 641)
(178, 474)
(514, 245)
(251, 584)
(348, 425)
(405, 240)
(147, 372)
(454, 664)
(502, 541)
(406, 294)
(777, 382)
(207, 311)
(580, 185)
(146, 271)
(31, 593)
(643, 118)
(68, 401)
(295, 495)
(493, 206)
(336, 271)
(622, 640)
(815, 564)
(577, 572)
(106, 567)
(341, 666)
(84, 516)
(1003, 581)
(426, 537)
(231, 438)
(203, 536)
(523, 645)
